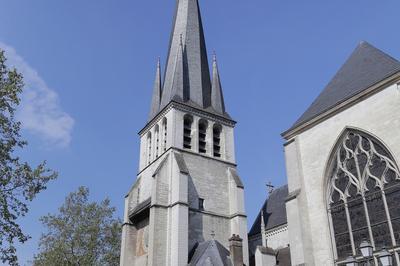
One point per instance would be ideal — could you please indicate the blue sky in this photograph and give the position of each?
(90, 66)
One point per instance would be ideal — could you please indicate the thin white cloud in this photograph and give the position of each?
(40, 112)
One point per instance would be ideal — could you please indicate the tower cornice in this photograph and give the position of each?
(174, 149)
(185, 107)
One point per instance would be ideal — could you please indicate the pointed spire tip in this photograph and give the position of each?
(214, 56)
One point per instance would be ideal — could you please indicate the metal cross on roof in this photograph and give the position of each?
(270, 187)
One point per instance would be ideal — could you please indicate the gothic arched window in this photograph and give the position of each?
(363, 196)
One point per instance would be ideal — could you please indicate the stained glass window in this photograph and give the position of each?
(363, 196)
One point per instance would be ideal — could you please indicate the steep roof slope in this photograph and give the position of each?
(274, 209)
(188, 28)
(187, 75)
(365, 67)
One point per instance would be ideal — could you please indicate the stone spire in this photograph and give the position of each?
(156, 99)
(217, 97)
(196, 74)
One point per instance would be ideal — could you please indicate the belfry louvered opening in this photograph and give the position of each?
(203, 125)
(187, 131)
(217, 129)
(363, 196)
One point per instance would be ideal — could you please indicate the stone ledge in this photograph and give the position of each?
(293, 195)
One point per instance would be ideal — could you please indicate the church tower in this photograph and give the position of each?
(188, 198)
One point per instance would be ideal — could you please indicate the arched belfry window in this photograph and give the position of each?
(149, 148)
(187, 131)
(203, 125)
(165, 130)
(363, 195)
(217, 129)
(157, 132)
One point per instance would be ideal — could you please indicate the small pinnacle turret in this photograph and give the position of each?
(217, 97)
(156, 99)
(263, 236)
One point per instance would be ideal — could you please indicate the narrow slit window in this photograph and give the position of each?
(201, 204)
(217, 140)
(187, 132)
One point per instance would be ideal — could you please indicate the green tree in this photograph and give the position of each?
(19, 182)
(82, 233)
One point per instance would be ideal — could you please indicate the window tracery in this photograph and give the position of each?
(363, 195)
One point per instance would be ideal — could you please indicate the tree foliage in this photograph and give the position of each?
(19, 182)
(82, 233)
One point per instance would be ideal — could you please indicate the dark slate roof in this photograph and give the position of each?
(365, 67)
(274, 211)
(140, 208)
(213, 250)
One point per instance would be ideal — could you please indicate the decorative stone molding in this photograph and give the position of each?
(276, 230)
